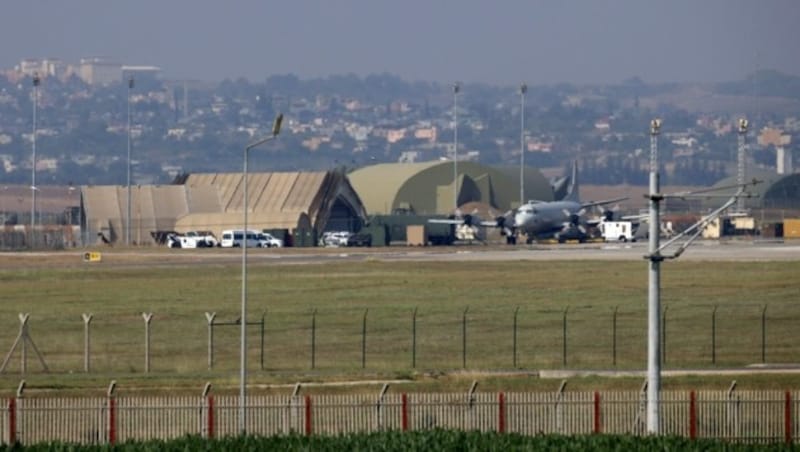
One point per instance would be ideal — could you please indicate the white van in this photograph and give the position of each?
(233, 238)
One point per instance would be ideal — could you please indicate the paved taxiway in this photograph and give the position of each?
(700, 251)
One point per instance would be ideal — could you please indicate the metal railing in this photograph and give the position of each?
(736, 416)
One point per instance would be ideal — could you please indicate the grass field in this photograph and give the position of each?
(486, 294)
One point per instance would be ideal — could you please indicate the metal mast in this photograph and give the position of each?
(36, 81)
(456, 89)
(128, 221)
(522, 90)
(653, 292)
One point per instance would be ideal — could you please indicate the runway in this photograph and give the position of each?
(700, 251)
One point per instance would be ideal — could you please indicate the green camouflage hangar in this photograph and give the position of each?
(305, 203)
(428, 188)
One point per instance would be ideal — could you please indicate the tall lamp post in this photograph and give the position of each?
(276, 128)
(740, 160)
(522, 90)
(653, 292)
(36, 82)
(128, 218)
(456, 89)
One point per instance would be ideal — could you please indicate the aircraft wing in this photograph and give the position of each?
(460, 221)
(602, 203)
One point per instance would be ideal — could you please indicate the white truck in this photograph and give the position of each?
(617, 231)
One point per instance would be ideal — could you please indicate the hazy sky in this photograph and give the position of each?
(494, 41)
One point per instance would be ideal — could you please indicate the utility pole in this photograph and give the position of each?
(522, 90)
(36, 82)
(653, 292)
(128, 221)
(456, 89)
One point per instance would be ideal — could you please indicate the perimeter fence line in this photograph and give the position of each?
(736, 416)
(371, 338)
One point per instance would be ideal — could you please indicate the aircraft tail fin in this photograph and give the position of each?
(573, 187)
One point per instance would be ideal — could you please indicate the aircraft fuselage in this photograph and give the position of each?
(545, 219)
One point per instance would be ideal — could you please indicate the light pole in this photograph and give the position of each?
(128, 218)
(741, 163)
(36, 81)
(522, 90)
(276, 128)
(456, 89)
(653, 292)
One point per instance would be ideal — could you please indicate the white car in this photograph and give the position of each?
(181, 241)
(335, 238)
(266, 240)
(204, 239)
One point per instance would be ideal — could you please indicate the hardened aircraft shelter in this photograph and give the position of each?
(214, 202)
(428, 187)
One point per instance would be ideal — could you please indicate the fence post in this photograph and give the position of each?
(464, 338)
(210, 319)
(263, 332)
(598, 428)
(559, 408)
(364, 340)
(87, 318)
(12, 421)
(787, 418)
(147, 316)
(714, 335)
(516, 311)
(501, 413)
(664, 336)
(614, 337)
(692, 415)
(404, 416)
(309, 425)
(379, 407)
(564, 328)
(732, 412)
(112, 413)
(764, 335)
(313, 337)
(208, 428)
(414, 339)
(471, 403)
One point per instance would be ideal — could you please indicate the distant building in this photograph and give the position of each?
(45, 67)
(141, 72)
(99, 71)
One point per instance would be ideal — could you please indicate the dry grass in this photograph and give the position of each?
(179, 293)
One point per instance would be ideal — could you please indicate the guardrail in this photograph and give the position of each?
(738, 416)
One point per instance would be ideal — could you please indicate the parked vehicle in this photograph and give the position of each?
(182, 241)
(335, 238)
(617, 231)
(235, 237)
(360, 239)
(204, 239)
(266, 240)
